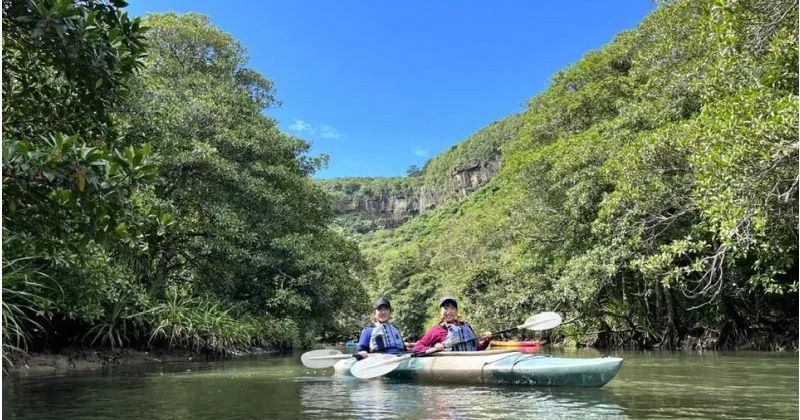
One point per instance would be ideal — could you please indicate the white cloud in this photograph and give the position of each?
(420, 152)
(301, 126)
(329, 132)
(325, 130)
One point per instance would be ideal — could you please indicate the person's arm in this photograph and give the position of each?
(483, 342)
(431, 337)
(363, 341)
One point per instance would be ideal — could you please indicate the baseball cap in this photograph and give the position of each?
(380, 302)
(446, 299)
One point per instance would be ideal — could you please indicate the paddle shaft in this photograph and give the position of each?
(545, 320)
(406, 356)
(332, 357)
(494, 333)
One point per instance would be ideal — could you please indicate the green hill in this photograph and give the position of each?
(649, 194)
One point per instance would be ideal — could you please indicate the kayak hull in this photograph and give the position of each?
(512, 367)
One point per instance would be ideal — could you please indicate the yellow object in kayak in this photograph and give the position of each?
(533, 345)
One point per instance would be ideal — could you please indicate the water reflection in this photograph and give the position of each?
(352, 398)
(659, 384)
(515, 402)
(384, 398)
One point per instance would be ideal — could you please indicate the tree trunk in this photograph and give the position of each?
(670, 338)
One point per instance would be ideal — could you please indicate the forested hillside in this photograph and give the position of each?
(649, 194)
(148, 200)
(650, 197)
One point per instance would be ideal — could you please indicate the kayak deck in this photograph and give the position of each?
(503, 367)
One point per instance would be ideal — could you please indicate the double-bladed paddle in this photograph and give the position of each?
(381, 364)
(324, 358)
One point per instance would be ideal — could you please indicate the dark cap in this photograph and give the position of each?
(446, 299)
(380, 302)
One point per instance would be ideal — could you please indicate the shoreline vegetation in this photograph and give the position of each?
(72, 359)
(147, 198)
(83, 359)
(649, 195)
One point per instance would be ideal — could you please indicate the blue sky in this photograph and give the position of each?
(382, 85)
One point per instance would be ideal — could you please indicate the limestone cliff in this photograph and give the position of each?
(363, 204)
(390, 202)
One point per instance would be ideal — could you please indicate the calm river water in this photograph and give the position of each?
(649, 385)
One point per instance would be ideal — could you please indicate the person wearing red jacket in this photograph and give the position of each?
(450, 329)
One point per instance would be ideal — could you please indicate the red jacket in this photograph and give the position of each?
(438, 334)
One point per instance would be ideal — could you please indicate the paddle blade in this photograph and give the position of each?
(376, 365)
(314, 358)
(542, 321)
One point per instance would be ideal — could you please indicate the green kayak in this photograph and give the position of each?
(503, 367)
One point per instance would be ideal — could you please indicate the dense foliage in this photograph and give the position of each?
(146, 197)
(651, 196)
(251, 226)
(76, 204)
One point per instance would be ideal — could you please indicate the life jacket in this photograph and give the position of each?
(385, 338)
(461, 332)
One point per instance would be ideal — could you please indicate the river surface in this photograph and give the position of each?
(649, 385)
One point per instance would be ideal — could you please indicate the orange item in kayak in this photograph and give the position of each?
(527, 345)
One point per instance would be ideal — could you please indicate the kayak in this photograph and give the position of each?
(527, 345)
(502, 367)
(351, 343)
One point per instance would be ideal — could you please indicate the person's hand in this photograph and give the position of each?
(363, 354)
(438, 346)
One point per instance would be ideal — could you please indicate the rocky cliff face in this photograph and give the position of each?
(385, 210)
(469, 178)
(388, 209)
